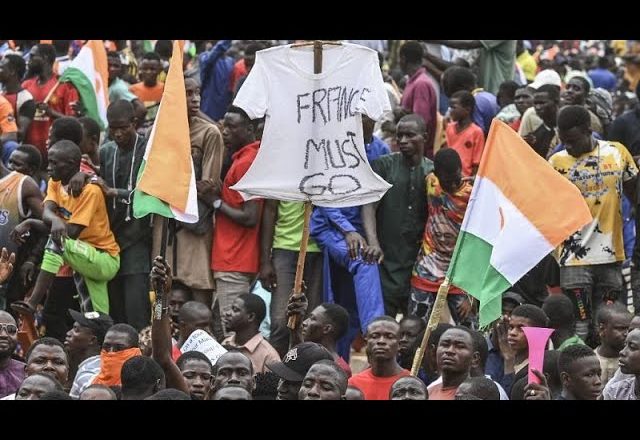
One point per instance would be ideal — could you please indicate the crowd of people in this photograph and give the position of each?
(80, 274)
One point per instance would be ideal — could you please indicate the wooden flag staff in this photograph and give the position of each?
(297, 286)
(434, 319)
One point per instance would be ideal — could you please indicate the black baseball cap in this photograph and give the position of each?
(297, 362)
(97, 321)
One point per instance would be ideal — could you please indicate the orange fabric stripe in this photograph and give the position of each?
(550, 202)
(170, 154)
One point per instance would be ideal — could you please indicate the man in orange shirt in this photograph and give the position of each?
(8, 127)
(80, 235)
(149, 89)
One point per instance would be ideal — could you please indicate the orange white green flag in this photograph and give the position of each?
(166, 180)
(89, 74)
(520, 210)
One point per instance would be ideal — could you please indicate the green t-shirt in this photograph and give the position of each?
(573, 340)
(400, 220)
(289, 228)
(497, 63)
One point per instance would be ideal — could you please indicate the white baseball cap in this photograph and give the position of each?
(548, 76)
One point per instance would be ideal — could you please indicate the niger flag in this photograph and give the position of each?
(166, 182)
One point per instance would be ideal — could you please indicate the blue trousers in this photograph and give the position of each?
(353, 284)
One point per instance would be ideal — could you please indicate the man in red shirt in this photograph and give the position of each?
(382, 350)
(235, 253)
(63, 102)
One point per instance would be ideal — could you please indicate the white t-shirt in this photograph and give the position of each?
(312, 148)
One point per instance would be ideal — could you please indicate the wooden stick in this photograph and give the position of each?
(434, 319)
(304, 241)
(293, 323)
(317, 56)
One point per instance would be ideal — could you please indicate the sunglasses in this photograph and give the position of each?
(11, 329)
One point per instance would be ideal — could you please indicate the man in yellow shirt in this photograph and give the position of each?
(80, 235)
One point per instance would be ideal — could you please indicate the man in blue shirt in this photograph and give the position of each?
(602, 76)
(215, 77)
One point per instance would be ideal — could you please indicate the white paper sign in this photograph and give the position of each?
(312, 147)
(204, 343)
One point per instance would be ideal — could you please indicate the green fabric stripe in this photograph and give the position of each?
(144, 204)
(86, 91)
(471, 271)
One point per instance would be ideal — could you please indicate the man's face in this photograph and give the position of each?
(577, 140)
(48, 359)
(614, 332)
(546, 108)
(455, 351)
(79, 338)
(8, 335)
(60, 165)
(96, 394)
(464, 392)
(515, 336)
(288, 390)
(232, 393)
(320, 383)
(236, 316)
(36, 61)
(574, 93)
(508, 306)
(382, 340)
(193, 96)
(408, 388)
(409, 329)
(523, 100)
(115, 67)
(456, 111)
(234, 369)
(410, 138)
(197, 375)
(630, 354)
(122, 130)
(177, 298)
(235, 132)
(449, 181)
(313, 328)
(149, 70)
(584, 378)
(115, 341)
(34, 387)
(18, 161)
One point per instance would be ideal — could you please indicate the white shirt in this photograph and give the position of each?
(313, 147)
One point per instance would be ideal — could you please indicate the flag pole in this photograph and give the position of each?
(302, 255)
(157, 306)
(434, 319)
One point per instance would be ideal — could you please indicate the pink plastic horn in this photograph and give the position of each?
(537, 338)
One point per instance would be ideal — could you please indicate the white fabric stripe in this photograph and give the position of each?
(518, 246)
(85, 62)
(191, 215)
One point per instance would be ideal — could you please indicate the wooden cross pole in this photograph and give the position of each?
(304, 241)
